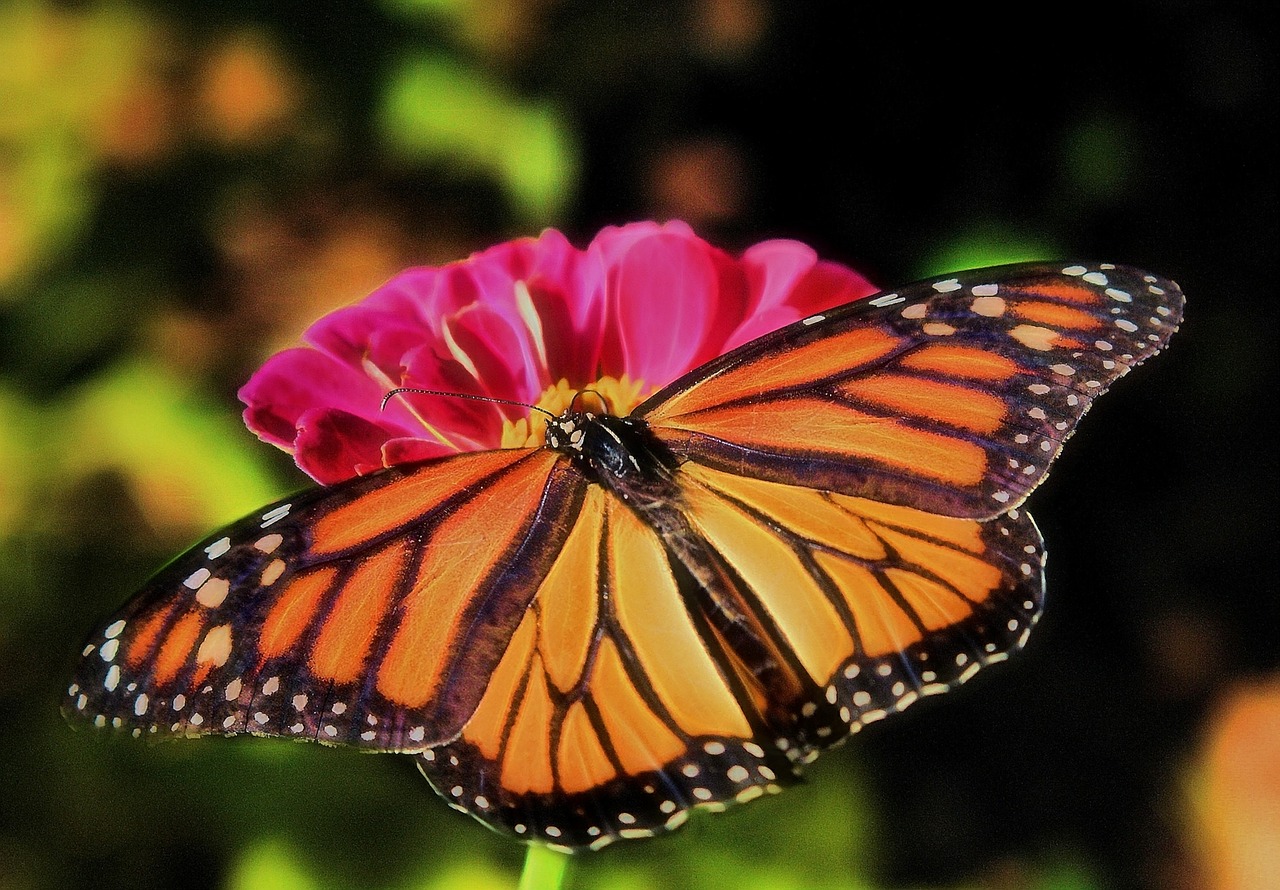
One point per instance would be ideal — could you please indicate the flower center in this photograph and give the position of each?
(608, 395)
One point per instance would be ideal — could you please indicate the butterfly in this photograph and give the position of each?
(674, 609)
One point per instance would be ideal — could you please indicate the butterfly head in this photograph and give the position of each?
(618, 452)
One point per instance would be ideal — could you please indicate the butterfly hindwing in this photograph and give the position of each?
(353, 614)
(623, 701)
(613, 712)
(951, 395)
(869, 605)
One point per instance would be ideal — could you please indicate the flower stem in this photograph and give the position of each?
(544, 868)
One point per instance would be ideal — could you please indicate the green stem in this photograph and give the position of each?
(544, 868)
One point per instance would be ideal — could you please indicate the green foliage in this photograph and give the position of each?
(544, 868)
(186, 461)
(59, 76)
(438, 110)
(270, 865)
(987, 244)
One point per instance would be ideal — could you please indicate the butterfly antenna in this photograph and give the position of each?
(401, 390)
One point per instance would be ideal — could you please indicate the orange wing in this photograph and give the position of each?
(653, 675)
(369, 613)
(951, 396)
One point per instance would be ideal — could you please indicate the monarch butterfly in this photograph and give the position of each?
(678, 608)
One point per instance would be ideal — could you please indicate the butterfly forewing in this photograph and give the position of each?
(354, 614)
(951, 395)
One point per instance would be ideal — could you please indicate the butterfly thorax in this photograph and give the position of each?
(620, 453)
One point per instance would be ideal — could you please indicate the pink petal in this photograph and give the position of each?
(663, 292)
(787, 283)
(612, 243)
(502, 350)
(333, 445)
(296, 381)
(827, 285)
(407, 451)
(646, 299)
(466, 424)
(567, 289)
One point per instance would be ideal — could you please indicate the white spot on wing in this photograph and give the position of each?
(213, 592)
(268, 543)
(218, 548)
(988, 306)
(216, 646)
(272, 572)
(1034, 336)
(276, 514)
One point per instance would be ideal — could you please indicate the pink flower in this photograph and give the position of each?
(533, 321)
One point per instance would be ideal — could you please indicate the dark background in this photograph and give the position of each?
(184, 186)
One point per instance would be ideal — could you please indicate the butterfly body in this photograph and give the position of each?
(679, 608)
(619, 453)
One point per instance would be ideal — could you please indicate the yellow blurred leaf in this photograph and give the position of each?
(65, 84)
(269, 865)
(438, 111)
(191, 466)
(17, 457)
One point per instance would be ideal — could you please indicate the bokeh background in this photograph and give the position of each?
(185, 185)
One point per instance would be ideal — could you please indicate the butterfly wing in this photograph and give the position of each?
(858, 607)
(634, 691)
(370, 613)
(615, 709)
(951, 396)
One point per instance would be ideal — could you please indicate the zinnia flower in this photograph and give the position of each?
(533, 321)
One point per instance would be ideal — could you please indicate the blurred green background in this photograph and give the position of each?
(184, 186)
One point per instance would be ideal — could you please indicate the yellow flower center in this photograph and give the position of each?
(608, 395)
